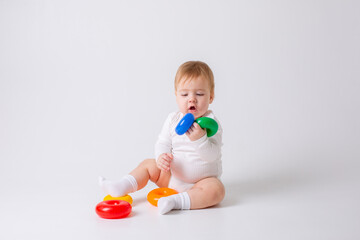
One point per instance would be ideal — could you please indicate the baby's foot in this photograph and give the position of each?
(119, 188)
(176, 201)
(166, 204)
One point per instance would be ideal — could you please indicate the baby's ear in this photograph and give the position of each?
(211, 98)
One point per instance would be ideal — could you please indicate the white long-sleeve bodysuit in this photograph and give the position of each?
(193, 160)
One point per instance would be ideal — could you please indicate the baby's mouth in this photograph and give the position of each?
(192, 108)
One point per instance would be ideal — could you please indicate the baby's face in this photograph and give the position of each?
(193, 96)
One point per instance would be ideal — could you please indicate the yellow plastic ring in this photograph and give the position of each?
(126, 198)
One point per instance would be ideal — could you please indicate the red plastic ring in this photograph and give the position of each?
(113, 209)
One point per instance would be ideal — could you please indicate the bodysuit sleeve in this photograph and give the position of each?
(209, 149)
(163, 143)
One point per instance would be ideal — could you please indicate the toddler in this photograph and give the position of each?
(189, 163)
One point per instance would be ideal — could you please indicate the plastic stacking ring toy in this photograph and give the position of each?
(126, 198)
(154, 195)
(209, 124)
(185, 123)
(113, 209)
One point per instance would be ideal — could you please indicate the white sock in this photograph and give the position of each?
(119, 188)
(176, 201)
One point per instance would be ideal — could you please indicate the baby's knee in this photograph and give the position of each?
(150, 162)
(216, 190)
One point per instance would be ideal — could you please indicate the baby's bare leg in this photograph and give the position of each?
(206, 193)
(147, 170)
(136, 180)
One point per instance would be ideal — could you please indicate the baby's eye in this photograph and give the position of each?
(184, 94)
(200, 94)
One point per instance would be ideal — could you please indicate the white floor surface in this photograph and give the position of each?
(279, 207)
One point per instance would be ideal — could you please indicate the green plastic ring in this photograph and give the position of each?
(209, 124)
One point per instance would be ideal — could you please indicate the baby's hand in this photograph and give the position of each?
(163, 162)
(195, 132)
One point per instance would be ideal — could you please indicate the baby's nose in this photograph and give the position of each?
(192, 99)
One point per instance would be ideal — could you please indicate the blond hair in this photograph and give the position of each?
(194, 69)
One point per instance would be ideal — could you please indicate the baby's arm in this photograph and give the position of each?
(209, 149)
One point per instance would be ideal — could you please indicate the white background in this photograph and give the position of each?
(86, 85)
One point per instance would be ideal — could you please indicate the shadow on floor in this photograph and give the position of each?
(244, 190)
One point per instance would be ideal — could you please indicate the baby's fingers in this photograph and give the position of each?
(171, 157)
(166, 162)
(167, 157)
(164, 166)
(190, 130)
